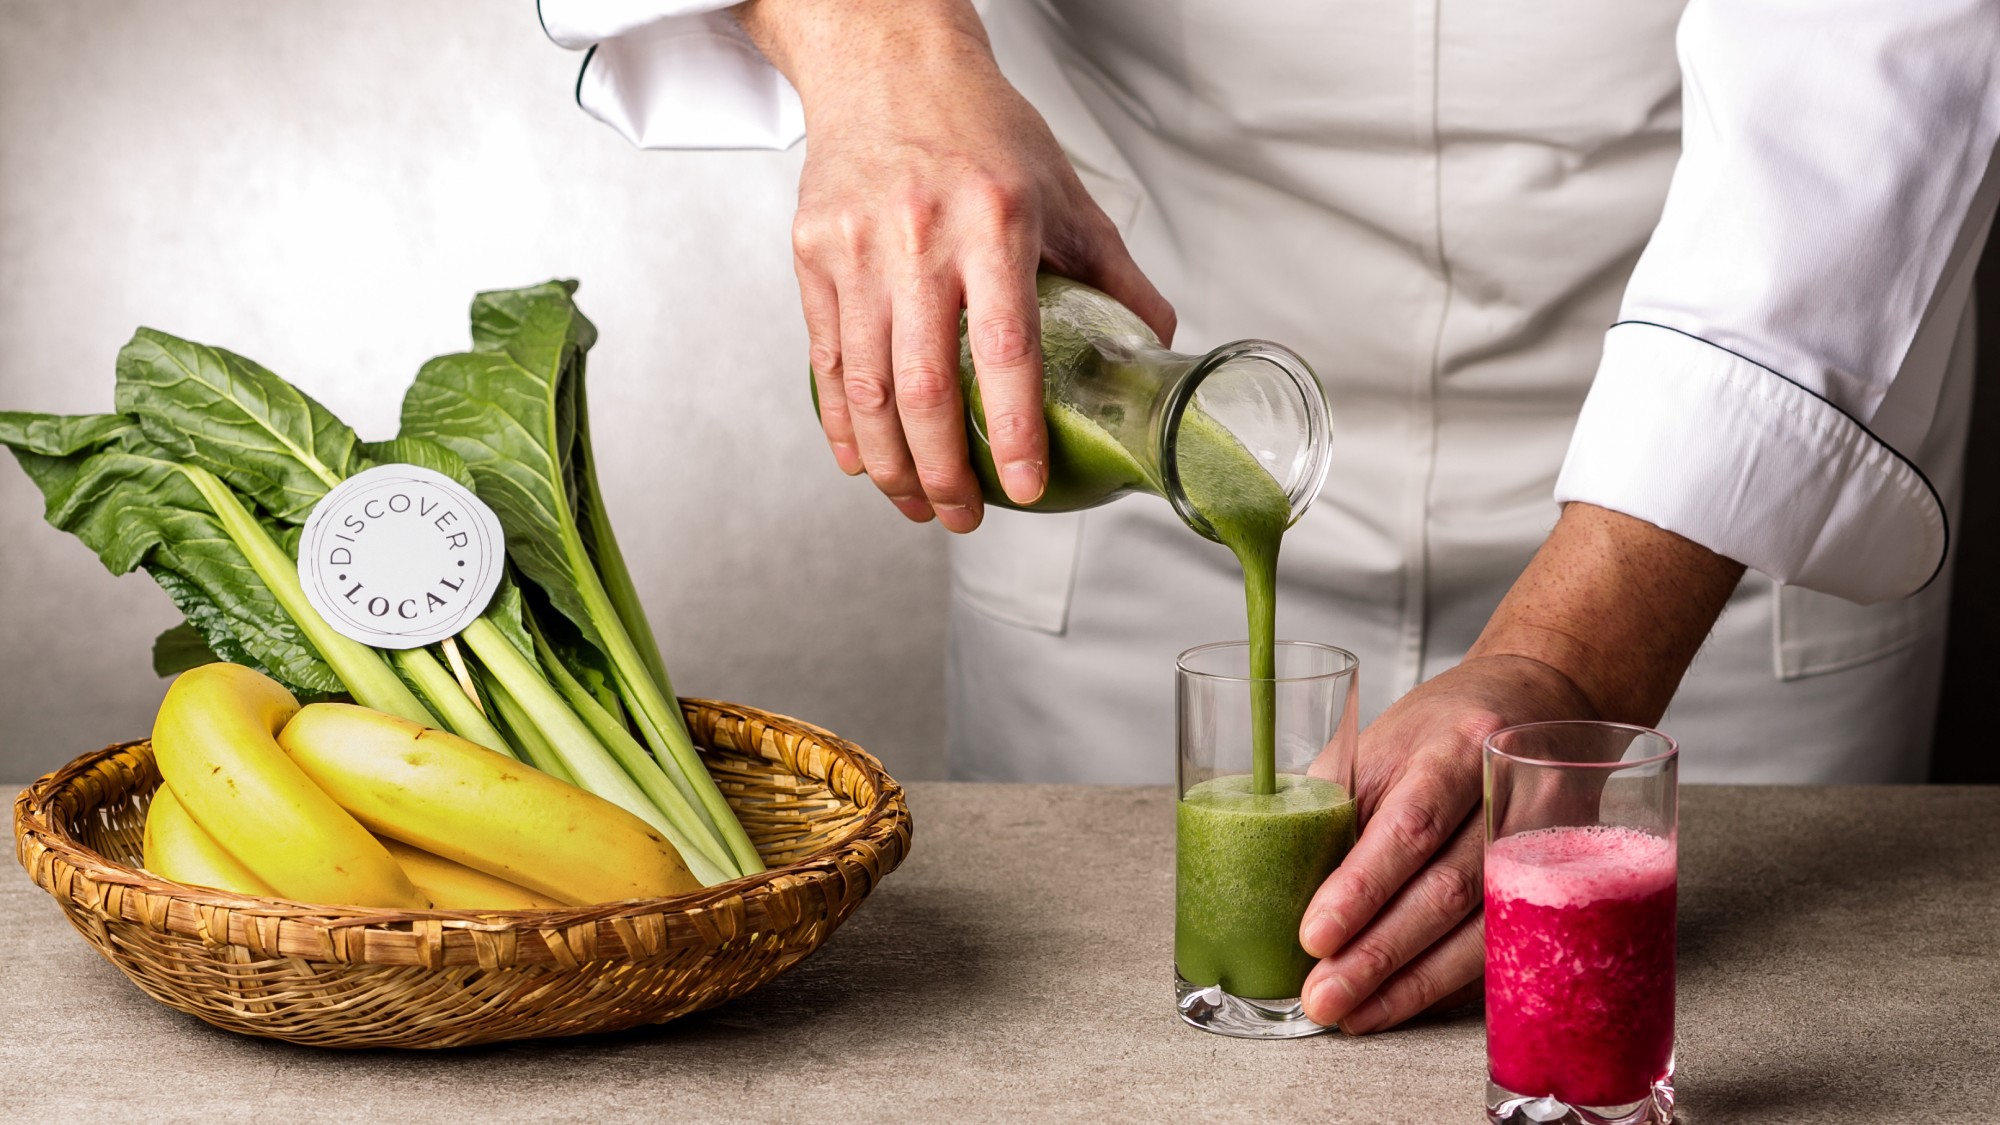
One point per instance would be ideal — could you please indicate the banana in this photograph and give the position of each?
(452, 798)
(215, 741)
(178, 849)
(454, 886)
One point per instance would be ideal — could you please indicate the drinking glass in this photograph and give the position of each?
(1248, 862)
(1581, 822)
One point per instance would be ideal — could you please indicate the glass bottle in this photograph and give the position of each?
(1124, 414)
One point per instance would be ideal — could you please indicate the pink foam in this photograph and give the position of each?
(1578, 865)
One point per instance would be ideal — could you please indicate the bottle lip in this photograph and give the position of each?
(1299, 493)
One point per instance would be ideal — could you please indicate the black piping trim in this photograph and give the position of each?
(580, 71)
(541, 20)
(1944, 514)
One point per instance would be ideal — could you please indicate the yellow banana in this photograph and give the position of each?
(452, 798)
(454, 886)
(178, 849)
(215, 741)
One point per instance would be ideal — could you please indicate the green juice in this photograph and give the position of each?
(1246, 866)
(1252, 848)
(1103, 378)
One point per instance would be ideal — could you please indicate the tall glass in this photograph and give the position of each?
(1247, 863)
(1581, 823)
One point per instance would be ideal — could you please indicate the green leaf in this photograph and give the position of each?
(423, 454)
(60, 435)
(135, 506)
(180, 648)
(503, 408)
(512, 408)
(215, 409)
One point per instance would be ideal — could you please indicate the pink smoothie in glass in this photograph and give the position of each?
(1580, 963)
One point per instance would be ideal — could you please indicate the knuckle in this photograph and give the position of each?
(1000, 202)
(1418, 825)
(896, 481)
(850, 234)
(918, 216)
(1453, 892)
(868, 392)
(1473, 726)
(925, 387)
(811, 235)
(943, 484)
(1414, 989)
(824, 357)
(1366, 887)
(1372, 963)
(1009, 427)
(1004, 338)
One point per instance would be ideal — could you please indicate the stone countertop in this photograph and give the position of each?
(1839, 960)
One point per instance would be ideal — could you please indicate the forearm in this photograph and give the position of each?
(1616, 606)
(824, 46)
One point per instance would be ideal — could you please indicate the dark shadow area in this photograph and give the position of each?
(1962, 752)
(1778, 937)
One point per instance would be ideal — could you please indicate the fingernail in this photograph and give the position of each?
(957, 517)
(848, 458)
(1335, 997)
(1023, 480)
(915, 507)
(1321, 935)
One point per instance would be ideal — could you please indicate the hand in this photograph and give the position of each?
(1397, 924)
(930, 185)
(1601, 625)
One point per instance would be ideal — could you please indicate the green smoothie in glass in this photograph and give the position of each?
(1235, 439)
(1247, 865)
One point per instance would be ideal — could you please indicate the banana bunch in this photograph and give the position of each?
(338, 804)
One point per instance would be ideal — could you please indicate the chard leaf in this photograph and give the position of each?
(213, 408)
(59, 435)
(423, 454)
(181, 648)
(506, 409)
(206, 625)
(134, 506)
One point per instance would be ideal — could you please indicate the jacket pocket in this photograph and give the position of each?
(1019, 567)
(1815, 633)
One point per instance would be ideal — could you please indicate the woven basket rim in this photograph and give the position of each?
(883, 831)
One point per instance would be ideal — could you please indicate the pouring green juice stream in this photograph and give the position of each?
(1116, 426)
(1123, 415)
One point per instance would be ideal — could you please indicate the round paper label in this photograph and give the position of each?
(399, 556)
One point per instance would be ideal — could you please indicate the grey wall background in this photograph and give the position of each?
(323, 187)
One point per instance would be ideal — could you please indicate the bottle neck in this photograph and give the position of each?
(1245, 406)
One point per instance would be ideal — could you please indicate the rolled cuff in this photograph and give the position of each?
(690, 82)
(1698, 440)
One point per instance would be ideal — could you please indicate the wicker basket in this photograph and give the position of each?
(825, 816)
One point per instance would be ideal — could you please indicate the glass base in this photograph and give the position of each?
(1211, 1009)
(1505, 1107)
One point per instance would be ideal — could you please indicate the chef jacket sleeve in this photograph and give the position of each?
(1775, 373)
(675, 74)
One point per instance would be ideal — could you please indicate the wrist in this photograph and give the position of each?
(1616, 606)
(829, 49)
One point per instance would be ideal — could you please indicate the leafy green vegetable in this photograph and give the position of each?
(211, 465)
(512, 408)
(180, 648)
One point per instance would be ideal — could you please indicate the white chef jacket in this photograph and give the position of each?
(1442, 204)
